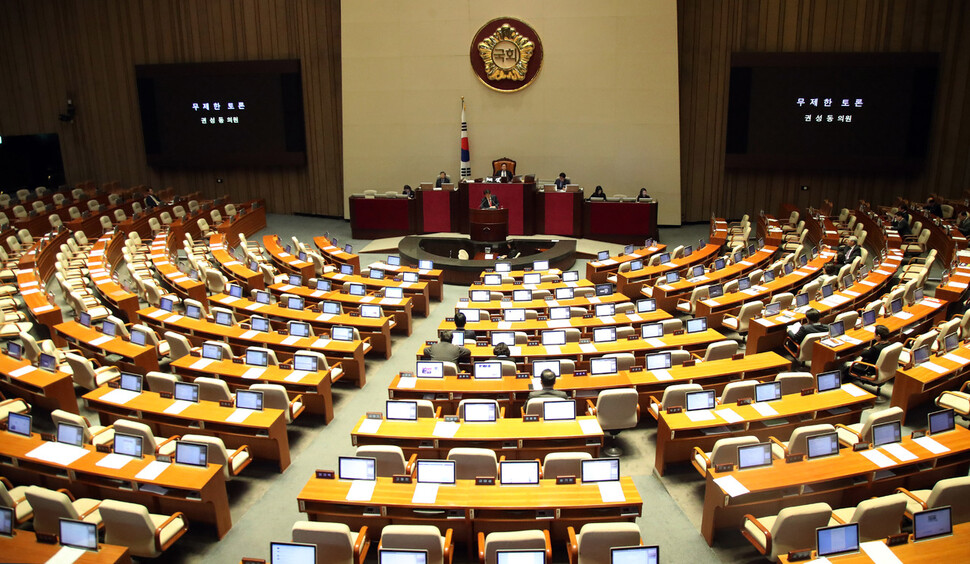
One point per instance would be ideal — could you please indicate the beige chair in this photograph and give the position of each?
(151, 339)
(593, 543)
(164, 447)
(10, 328)
(162, 382)
(426, 409)
(178, 345)
(719, 350)
(12, 405)
(232, 463)
(954, 492)
(420, 537)
(734, 391)
(216, 216)
(795, 382)
(557, 464)
(93, 434)
(335, 542)
(805, 348)
(390, 459)
(275, 397)
(86, 375)
(193, 206)
(471, 463)
(797, 442)
(533, 539)
(688, 305)
(145, 534)
(862, 432)
(51, 506)
(673, 396)
(885, 367)
(725, 451)
(624, 361)
(740, 322)
(878, 518)
(959, 402)
(615, 410)
(213, 389)
(792, 529)
(15, 498)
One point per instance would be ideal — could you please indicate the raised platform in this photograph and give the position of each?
(521, 253)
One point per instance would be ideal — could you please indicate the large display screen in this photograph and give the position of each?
(840, 111)
(239, 113)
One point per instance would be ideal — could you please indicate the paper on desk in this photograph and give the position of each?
(878, 458)
(607, 320)
(729, 415)
(935, 367)
(536, 384)
(879, 552)
(22, 371)
(66, 555)
(100, 340)
(425, 493)
(590, 426)
(406, 383)
(662, 375)
(320, 343)
(515, 350)
(229, 299)
(114, 461)
(867, 282)
(504, 325)
(931, 445)
(253, 373)
(853, 390)
(254, 306)
(558, 323)
(201, 363)
(157, 313)
(554, 349)
(850, 340)
(152, 470)
(634, 317)
(611, 492)
(709, 302)
(764, 322)
(654, 342)
(369, 426)
(587, 348)
(731, 486)
(903, 315)
(764, 409)
(445, 429)
(58, 453)
(296, 376)
(325, 317)
(119, 396)
(178, 406)
(899, 451)
(595, 300)
(290, 340)
(361, 490)
(960, 285)
(699, 415)
(239, 415)
(249, 335)
(174, 318)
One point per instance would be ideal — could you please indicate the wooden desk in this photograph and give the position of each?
(163, 259)
(350, 354)
(315, 386)
(35, 267)
(134, 358)
(585, 324)
(841, 481)
(667, 295)
(51, 390)
(677, 434)
(769, 230)
(432, 277)
(510, 437)
(336, 255)
(400, 309)
(250, 218)
(931, 551)
(417, 291)
(23, 547)
(489, 225)
(507, 289)
(918, 385)
(469, 509)
(287, 262)
(542, 306)
(263, 431)
(106, 252)
(200, 493)
(955, 287)
(235, 270)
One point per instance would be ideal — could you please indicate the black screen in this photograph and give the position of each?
(222, 114)
(28, 161)
(830, 110)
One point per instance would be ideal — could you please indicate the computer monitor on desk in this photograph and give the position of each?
(539, 365)
(754, 456)
(356, 468)
(429, 369)
(519, 472)
(479, 412)
(191, 454)
(940, 421)
(6, 522)
(187, 391)
(19, 424)
(128, 445)
(600, 470)
(435, 471)
(635, 555)
(397, 556)
(840, 539)
(932, 523)
(292, 553)
(78, 534)
(886, 433)
(559, 410)
(826, 381)
(512, 556)
(400, 410)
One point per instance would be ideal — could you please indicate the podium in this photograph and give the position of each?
(489, 225)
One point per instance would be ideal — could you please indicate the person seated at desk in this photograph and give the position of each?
(900, 223)
(502, 352)
(865, 364)
(460, 321)
(798, 332)
(408, 191)
(548, 379)
(643, 196)
(963, 223)
(489, 201)
(849, 251)
(444, 351)
(151, 200)
(504, 175)
(597, 194)
(561, 182)
(442, 179)
(933, 207)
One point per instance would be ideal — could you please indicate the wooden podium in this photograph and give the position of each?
(489, 225)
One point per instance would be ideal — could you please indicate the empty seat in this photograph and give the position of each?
(533, 539)
(616, 410)
(15, 498)
(792, 529)
(593, 543)
(390, 459)
(150, 443)
(51, 506)
(420, 537)
(232, 462)
(146, 535)
(335, 542)
(954, 492)
(558, 464)
(878, 517)
(471, 463)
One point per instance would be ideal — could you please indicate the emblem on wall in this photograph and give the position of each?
(506, 54)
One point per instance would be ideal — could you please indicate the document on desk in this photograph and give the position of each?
(590, 427)
(851, 340)
(654, 342)
(662, 375)
(114, 461)
(504, 325)
(174, 318)
(58, 453)
(361, 490)
(956, 358)
(425, 493)
(445, 429)
(157, 313)
(731, 486)
(22, 371)
(325, 317)
(853, 390)
(536, 384)
(296, 376)
(904, 315)
(587, 348)
(100, 340)
(254, 306)
(729, 415)
(290, 340)
(239, 415)
(878, 458)
(878, 552)
(931, 445)
(178, 406)
(119, 396)
(595, 300)
(764, 409)
(935, 367)
(249, 335)
(554, 350)
(899, 451)
(229, 299)
(699, 415)
(253, 373)
(634, 317)
(406, 383)
(369, 426)
(201, 363)
(611, 492)
(66, 555)
(152, 471)
(515, 350)
(320, 343)
(607, 320)
(558, 324)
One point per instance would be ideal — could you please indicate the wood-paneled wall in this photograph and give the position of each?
(709, 31)
(87, 50)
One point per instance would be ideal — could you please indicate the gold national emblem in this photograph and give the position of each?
(506, 54)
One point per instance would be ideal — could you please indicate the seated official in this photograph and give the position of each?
(444, 351)
(865, 364)
(597, 194)
(408, 191)
(442, 179)
(561, 182)
(502, 352)
(901, 223)
(830, 273)
(504, 174)
(151, 200)
(643, 196)
(548, 379)
(849, 251)
(963, 223)
(933, 207)
(460, 321)
(798, 332)
(489, 201)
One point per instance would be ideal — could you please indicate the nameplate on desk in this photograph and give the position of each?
(532, 344)
(584, 341)
(464, 376)
(407, 374)
(484, 481)
(452, 419)
(450, 319)
(727, 467)
(114, 384)
(918, 434)
(522, 376)
(896, 540)
(225, 403)
(579, 373)
(102, 448)
(462, 299)
(565, 480)
(744, 401)
(325, 474)
(252, 561)
(860, 446)
(674, 409)
(49, 437)
(401, 478)
(542, 318)
(794, 458)
(808, 391)
(375, 415)
(353, 314)
(689, 363)
(678, 332)
(530, 418)
(46, 538)
(799, 555)
(429, 343)
(238, 360)
(165, 395)
(587, 316)
(738, 356)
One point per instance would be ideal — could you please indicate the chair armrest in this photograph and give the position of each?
(699, 451)
(590, 407)
(437, 412)
(766, 549)
(237, 452)
(545, 533)
(848, 430)
(910, 495)
(90, 511)
(158, 448)
(501, 412)
(481, 547)
(158, 531)
(361, 546)
(6, 483)
(965, 386)
(572, 545)
(448, 555)
(780, 444)
(409, 466)
(838, 519)
(66, 492)
(105, 430)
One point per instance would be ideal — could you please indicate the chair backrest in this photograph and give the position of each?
(749, 311)
(275, 397)
(128, 524)
(720, 350)
(177, 343)
(808, 345)
(165, 217)
(216, 452)
(61, 416)
(784, 298)
(733, 391)
(213, 389)
(471, 463)
(676, 395)
(137, 428)
(390, 458)
(533, 539)
(557, 464)
(624, 361)
(415, 537)
(797, 442)
(596, 539)
(725, 450)
(875, 417)
(795, 382)
(161, 381)
(334, 541)
(888, 363)
(879, 517)
(954, 492)
(49, 508)
(461, 405)
(82, 371)
(617, 408)
(794, 529)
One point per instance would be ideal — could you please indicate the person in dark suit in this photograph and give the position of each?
(868, 356)
(442, 179)
(502, 352)
(963, 223)
(850, 250)
(548, 379)
(460, 321)
(933, 207)
(598, 194)
(901, 223)
(562, 181)
(151, 200)
(408, 191)
(643, 196)
(811, 325)
(445, 351)
(489, 201)
(504, 174)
